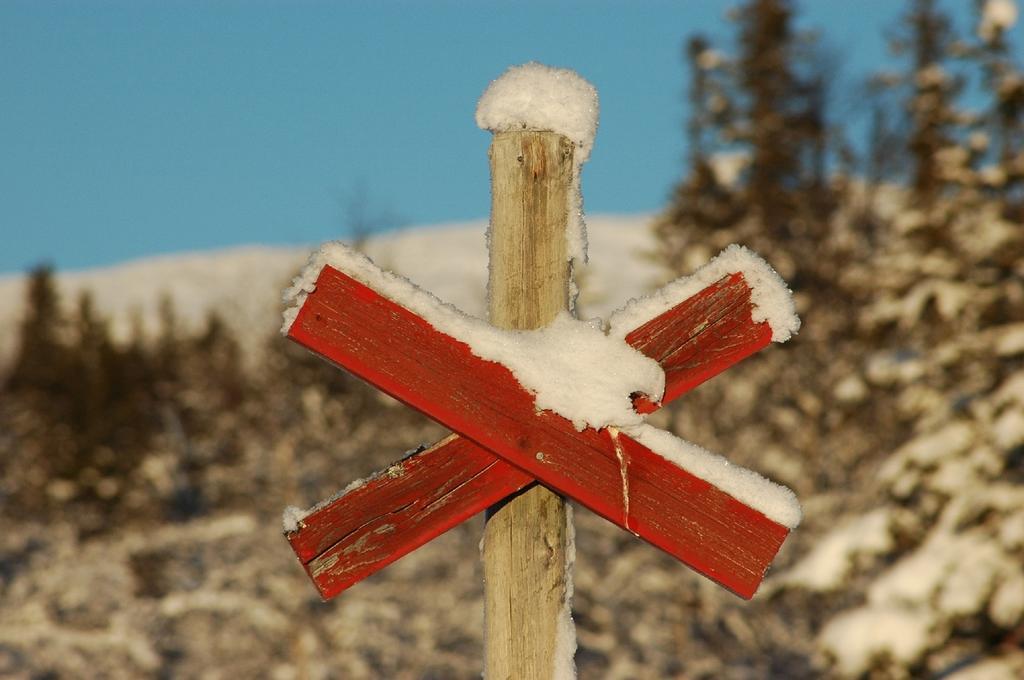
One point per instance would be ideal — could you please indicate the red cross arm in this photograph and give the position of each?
(423, 495)
(402, 354)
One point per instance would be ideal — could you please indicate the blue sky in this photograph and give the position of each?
(143, 127)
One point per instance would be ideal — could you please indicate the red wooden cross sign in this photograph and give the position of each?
(725, 522)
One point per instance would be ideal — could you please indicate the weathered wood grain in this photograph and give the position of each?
(701, 337)
(404, 356)
(404, 506)
(524, 546)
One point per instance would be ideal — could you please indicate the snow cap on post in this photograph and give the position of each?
(543, 98)
(538, 97)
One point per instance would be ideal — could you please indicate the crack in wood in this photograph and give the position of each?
(348, 535)
(620, 454)
(443, 498)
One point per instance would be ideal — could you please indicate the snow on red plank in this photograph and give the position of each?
(684, 340)
(702, 336)
(402, 354)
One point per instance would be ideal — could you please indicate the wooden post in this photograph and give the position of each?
(524, 550)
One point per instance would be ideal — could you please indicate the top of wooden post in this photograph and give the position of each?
(538, 98)
(545, 120)
(542, 98)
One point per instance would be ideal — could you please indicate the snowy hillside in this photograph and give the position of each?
(244, 284)
(145, 541)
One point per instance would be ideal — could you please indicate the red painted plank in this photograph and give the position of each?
(342, 542)
(411, 502)
(403, 355)
(701, 337)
